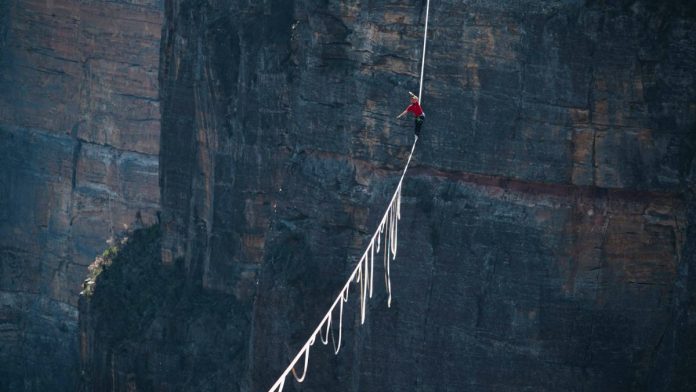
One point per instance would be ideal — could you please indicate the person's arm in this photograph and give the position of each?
(402, 113)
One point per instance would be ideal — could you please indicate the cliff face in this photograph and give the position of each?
(79, 139)
(547, 224)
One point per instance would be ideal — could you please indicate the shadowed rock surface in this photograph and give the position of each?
(547, 234)
(79, 145)
(179, 346)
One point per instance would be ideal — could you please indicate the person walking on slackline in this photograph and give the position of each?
(417, 111)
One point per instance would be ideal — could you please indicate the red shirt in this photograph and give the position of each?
(415, 109)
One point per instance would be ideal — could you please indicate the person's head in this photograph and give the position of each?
(414, 99)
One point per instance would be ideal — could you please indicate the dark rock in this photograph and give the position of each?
(144, 328)
(547, 220)
(79, 139)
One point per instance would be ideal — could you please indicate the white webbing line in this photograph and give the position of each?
(425, 41)
(360, 275)
(364, 278)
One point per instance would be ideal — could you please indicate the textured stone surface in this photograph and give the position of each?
(136, 346)
(79, 139)
(548, 220)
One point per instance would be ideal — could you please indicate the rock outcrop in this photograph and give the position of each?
(548, 223)
(177, 331)
(79, 145)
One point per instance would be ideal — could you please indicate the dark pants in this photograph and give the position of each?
(419, 124)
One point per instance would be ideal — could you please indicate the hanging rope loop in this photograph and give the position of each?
(362, 273)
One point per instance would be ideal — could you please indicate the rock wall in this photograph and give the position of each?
(547, 223)
(160, 332)
(79, 145)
